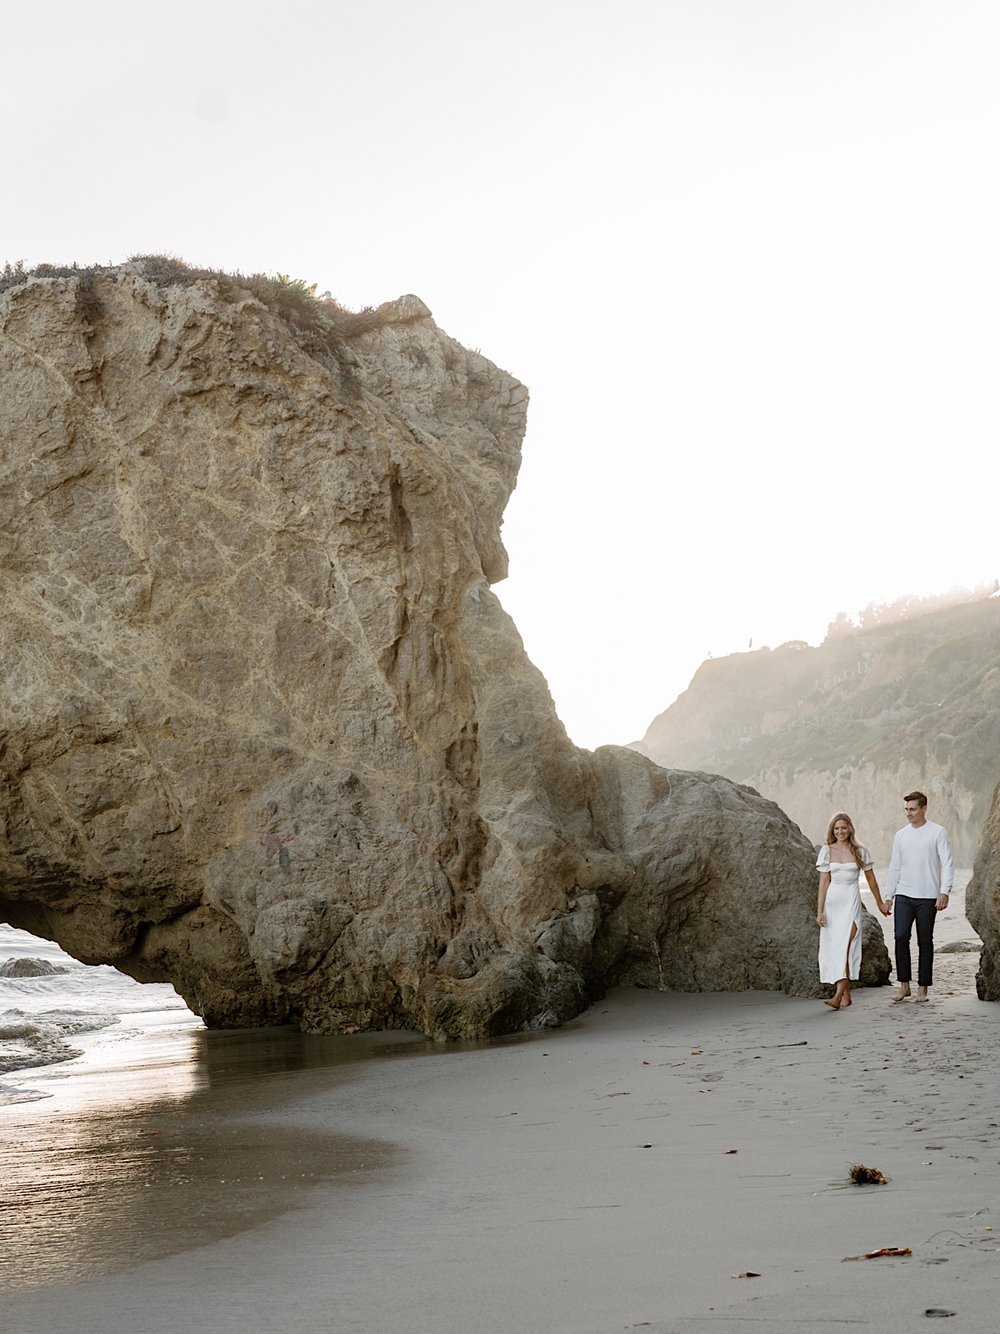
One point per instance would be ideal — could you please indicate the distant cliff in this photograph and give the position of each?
(855, 723)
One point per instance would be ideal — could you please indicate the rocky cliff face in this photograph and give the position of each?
(982, 903)
(267, 733)
(854, 724)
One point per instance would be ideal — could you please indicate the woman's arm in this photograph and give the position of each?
(883, 908)
(824, 885)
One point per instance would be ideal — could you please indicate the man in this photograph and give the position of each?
(921, 872)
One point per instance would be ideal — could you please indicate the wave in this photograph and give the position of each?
(48, 998)
(37, 975)
(100, 987)
(10, 1095)
(41, 1039)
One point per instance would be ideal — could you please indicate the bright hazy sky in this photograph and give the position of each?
(744, 253)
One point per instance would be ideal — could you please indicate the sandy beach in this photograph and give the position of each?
(666, 1162)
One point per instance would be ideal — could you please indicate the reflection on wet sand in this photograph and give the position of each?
(163, 1144)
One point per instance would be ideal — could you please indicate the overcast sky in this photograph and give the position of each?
(743, 252)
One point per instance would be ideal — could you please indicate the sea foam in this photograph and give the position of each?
(48, 998)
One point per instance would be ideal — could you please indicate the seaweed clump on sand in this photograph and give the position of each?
(867, 1176)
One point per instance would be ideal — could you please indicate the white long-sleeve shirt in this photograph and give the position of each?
(921, 866)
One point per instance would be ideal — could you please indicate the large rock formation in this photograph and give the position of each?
(855, 723)
(266, 733)
(982, 903)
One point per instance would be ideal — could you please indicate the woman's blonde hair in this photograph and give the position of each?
(851, 841)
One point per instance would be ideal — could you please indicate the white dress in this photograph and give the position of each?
(842, 910)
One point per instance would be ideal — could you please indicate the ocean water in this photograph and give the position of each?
(53, 1009)
(129, 1131)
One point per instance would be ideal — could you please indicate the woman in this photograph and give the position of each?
(838, 910)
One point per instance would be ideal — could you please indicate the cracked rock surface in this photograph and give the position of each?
(266, 732)
(982, 903)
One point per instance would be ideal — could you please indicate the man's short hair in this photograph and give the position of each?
(918, 797)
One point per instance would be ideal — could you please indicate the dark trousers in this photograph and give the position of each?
(906, 911)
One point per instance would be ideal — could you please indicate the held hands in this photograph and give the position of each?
(885, 908)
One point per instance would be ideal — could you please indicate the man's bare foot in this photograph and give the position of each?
(921, 995)
(902, 996)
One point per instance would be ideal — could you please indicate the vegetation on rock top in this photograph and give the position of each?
(320, 324)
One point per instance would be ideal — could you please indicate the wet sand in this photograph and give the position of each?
(581, 1180)
(155, 1143)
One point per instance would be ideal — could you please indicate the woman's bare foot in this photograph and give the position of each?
(833, 1002)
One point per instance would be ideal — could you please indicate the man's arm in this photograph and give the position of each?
(894, 861)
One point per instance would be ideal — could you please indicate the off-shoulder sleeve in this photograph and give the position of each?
(866, 858)
(823, 858)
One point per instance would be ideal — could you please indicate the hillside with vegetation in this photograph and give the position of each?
(901, 697)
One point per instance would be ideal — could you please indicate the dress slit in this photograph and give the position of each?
(847, 956)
